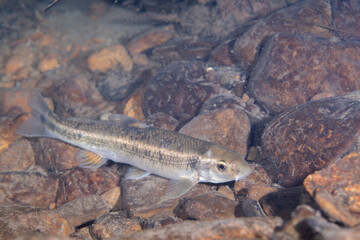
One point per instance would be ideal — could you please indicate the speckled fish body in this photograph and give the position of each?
(184, 159)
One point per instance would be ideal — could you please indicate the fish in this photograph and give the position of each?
(182, 159)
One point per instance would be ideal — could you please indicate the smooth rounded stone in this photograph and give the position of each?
(113, 198)
(295, 68)
(308, 137)
(182, 50)
(113, 225)
(19, 220)
(19, 156)
(298, 18)
(256, 185)
(228, 101)
(252, 208)
(76, 96)
(226, 76)
(13, 102)
(146, 197)
(336, 182)
(234, 228)
(83, 209)
(55, 155)
(30, 188)
(346, 16)
(163, 121)
(133, 106)
(207, 206)
(81, 182)
(179, 89)
(117, 84)
(161, 219)
(220, 55)
(227, 127)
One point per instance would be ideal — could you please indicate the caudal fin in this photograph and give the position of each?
(35, 125)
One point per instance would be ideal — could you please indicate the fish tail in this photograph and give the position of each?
(35, 126)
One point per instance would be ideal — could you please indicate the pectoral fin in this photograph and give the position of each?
(135, 173)
(88, 159)
(179, 187)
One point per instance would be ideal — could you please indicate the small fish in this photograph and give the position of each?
(182, 159)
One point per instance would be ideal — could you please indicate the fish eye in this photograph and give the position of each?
(221, 165)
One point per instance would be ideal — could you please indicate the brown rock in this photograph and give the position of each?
(81, 182)
(163, 121)
(30, 188)
(113, 198)
(55, 155)
(221, 55)
(151, 39)
(235, 228)
(83, 209)
(7, 130)
(146, 197)
(336, 188)
(178, 90)
(303, 17)
(161, 219)
(256, 185)
(19, 220)
(181, 50)
(13, 102)
(293, 69)
(76, 96)
(108, 58)
(133, 106)
(47, 64)
(346, 16)
(308, 137)
(113, 225)
(18, 157)
(207, 206)
(228, 127)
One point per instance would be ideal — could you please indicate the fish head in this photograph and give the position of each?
(223, 165)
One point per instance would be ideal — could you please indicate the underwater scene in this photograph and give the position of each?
(180, 119)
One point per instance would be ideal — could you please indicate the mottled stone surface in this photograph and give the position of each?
(303, 17)
(336, 188)
(83, 209)
(30, 188)
(81, 182)
(113, 198)
(179, 89)
(228, 127)
(308, 137)
(133, 106)
(346, 17)
(19, 156)
(161, 219)
(235, 228)
(163, 121)
(294, 68)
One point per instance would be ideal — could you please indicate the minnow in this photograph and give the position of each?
(184, 160)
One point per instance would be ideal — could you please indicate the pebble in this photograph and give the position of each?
(161, 219)
(19, 156)
(308, 137)
(109, 58)
(113, 198)
(133, 106)
(47, 64)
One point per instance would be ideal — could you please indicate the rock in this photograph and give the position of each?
(22, 56)
(220, 55)
(19, 220)
(114, 225)
(81, 182)
(113, 198)
(55, 155)
(76, 96)
(303, 17)
(226, 192)
(47, 64)
(117, 85)
(133, 106)
(161, 219)
(226, 76)
(151, 39)
(207, 206)
(308, 137)
(346, 15)
(109, 58)
(182, 50)
(178, 90)
(146, 197)
(336, 188)
(230, 128)
(13, 102)
(19, 156)
(251, 208)
(294, 68)
(82, 210)
(234, 228)
(163, 121)
(30, 188)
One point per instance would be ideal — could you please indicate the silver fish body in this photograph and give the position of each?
(183, 159)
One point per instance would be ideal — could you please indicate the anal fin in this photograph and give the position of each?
(179, 187)
(135, 173)
(87, 159)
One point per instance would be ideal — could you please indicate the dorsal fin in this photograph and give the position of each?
(126, 121)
